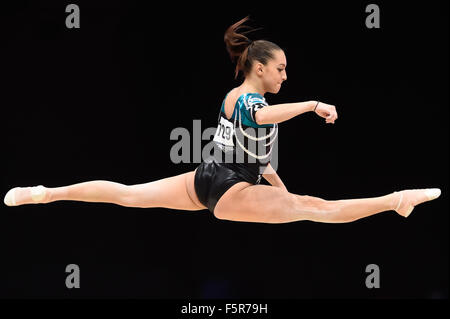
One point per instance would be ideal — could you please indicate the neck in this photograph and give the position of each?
(253, 86)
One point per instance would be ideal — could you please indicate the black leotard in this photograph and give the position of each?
(242, 150)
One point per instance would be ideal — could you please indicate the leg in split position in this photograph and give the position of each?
(242, 202)
(170, 192)
(266, 204)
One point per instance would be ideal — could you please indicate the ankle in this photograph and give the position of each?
(392, 200)
(56, 194)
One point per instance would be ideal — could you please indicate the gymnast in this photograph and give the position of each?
(228, 182)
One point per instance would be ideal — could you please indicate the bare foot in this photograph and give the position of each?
(406, 200)
(27, 195)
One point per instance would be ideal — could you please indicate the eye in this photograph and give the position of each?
(280, 70)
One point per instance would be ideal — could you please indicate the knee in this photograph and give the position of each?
(317, 204)
(127, 196)
(332, 211)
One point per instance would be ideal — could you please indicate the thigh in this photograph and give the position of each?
(190, 187)
(174, 192)
(255, 203)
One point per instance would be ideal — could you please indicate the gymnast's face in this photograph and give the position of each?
(273, 74)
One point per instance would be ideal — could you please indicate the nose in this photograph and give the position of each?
(284, 77)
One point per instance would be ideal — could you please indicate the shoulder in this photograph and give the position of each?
(251, 99)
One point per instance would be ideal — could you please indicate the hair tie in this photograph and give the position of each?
(316, 106)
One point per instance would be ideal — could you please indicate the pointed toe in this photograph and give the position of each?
(10, 199)
(433, 193)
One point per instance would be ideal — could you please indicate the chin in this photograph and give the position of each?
(275, 90)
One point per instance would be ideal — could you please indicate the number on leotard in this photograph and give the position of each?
(224, 133)
(223, 130)
(228, 130)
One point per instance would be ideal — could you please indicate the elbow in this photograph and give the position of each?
(259, 118)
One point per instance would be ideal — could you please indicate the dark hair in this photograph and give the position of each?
(243, 51)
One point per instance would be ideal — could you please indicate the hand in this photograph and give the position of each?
(327, 111)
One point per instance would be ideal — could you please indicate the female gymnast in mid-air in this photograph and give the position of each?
(231, 189)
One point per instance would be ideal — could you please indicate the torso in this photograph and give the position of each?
(236, 116)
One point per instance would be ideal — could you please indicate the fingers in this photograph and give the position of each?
(331, 117)
(328, 112)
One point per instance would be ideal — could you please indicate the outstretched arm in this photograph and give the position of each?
(278, 113)
(272, 177)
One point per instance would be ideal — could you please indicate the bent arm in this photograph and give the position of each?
(272, 177)
(278, 113)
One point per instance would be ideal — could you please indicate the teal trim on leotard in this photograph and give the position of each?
(249, 99)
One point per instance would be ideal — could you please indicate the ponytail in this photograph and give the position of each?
(244, 51)
(237, 44)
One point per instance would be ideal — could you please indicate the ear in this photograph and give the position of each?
(259, 68)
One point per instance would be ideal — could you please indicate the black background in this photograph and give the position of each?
(100, 102)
